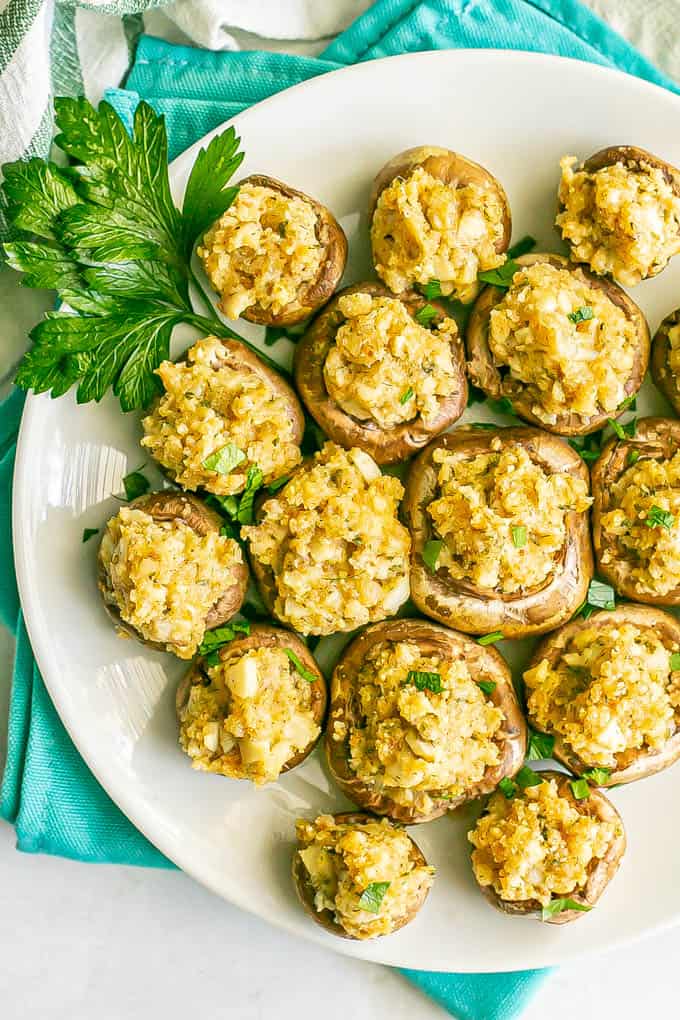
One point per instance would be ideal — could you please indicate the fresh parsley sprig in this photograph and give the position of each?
(106, 234)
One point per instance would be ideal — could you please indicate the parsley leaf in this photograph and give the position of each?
(521, 247)
(254, 481)
(425, 681)
(430, 290)
(597, 776)
(135, 484)
(527, 777)
(588, 447)
(425, 315)
(206, 196)
(580, 788)
(278, 483)
(487, 686)
(507, 787)
(406, 396)
(305, 673)
(629, 404)
(502, 276)
(224, 460)
(89, 533)
(490, 639)
(675, 661)
(215, 639)
(582, 314)
(502, 406)
(519, 535)
(633, 457)
(372, 896)
(540, 746)
(600, 596)
(431, 551)
(659, 518)
(557, 906)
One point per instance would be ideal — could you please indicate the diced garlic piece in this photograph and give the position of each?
(365, 464)
(210, 735)
(242, 678)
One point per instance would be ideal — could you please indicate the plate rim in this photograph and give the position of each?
(28, 587)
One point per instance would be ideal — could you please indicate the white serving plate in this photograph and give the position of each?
(517, 113)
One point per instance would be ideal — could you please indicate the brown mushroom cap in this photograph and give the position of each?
(312, 295)
(325, 917)
(486, 374)
(636, 763)
(633, 158)
(485, 663)
(449, 167)
(262, 635)
(654, 439)
(479, 611)
(240, 358)
(660, 366)
(171, 505)
(385, 445)
(600, 871)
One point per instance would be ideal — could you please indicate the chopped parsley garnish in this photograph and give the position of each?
(430, 290)
(406, 396)
(629, 404)
(540, 746)
(675, 661)
(278, 483)
(633, 457)
(135, 484)
(626, 431)
(588, 447)
(425, 315)
(475, 395)
(431, 552)
(580, 788)
(372, 896)
(244, 514)
(557, 906)
(425, 681)
(490, 639)
(527, 777)
(214, 639)
(508, 788)
(600, 596)
(487, 686)
(582, 314)
(597, 776)
(484, 425)
(502, 406)
(88, 533)
(104, 231)
(224, 460)
(519, 536)
(501, 277)
(658, 518)
(305, 673)
(524, 245)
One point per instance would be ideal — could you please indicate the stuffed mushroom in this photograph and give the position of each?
(422, 720)
(380, 372)
(540, 850)
(223, 412)
(275, 256)
(327, 549)
(665, 362)
(499, 528)
(254, 708)
(358, 876)
(620, 212)
(565, 347)
(608, 689)
(636, 512)
(166, 573)
(437, 219)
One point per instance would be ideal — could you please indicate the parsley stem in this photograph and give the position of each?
(216, 327)
(210, 308)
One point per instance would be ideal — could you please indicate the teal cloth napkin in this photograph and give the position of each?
(48, 793)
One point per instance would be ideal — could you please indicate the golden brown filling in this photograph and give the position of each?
(427, 727)
(253, 716)
(425, 230)
(387, 368)
(538, 845)
(621, 222)
(645, 524)
(164, 578)
(208, 407)
(331, 537)
(611, 691)
(363, 873)
(567, 346)
(502, 516)
(262, 250)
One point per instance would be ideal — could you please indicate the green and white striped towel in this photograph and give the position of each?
(72, 47)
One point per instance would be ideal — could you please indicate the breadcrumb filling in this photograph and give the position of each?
(502, 517)
(674, 351)
(164, 578)
(252, 717)
(424, 229)
(333, 542)
(538, 845)
(347, 861)
(611, 691)
(262, 250)
(624, 223)
(413, 740)
(568, 348)
(645, 524)
(387, 368)
(208, 405)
